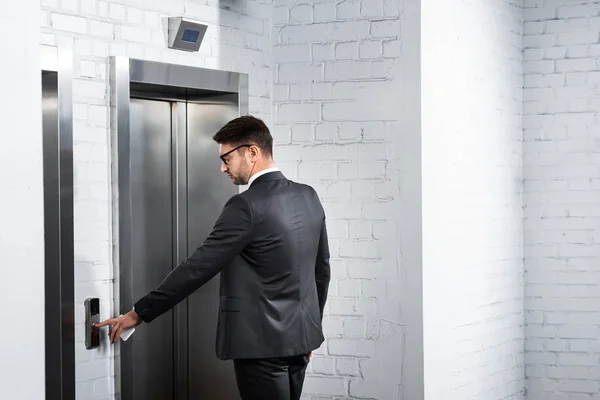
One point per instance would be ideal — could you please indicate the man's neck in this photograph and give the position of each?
(262, 168)
(260, 171)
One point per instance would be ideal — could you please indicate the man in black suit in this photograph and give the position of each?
(270, 245)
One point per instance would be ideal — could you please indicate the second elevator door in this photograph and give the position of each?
(178, 192)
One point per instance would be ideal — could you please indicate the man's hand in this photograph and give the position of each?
(310, 357)
(118, 325)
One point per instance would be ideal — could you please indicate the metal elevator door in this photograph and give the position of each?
(177, 192)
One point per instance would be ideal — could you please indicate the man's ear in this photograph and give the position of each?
(254, 151)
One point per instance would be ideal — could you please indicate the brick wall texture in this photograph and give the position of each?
(510, 188)
(561, 120)
(335, 110)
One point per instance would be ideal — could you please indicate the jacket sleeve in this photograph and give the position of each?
(229, 236)
(322, 268)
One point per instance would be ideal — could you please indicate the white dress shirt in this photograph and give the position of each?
(261, 173)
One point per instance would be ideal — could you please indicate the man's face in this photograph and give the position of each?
(235, 163)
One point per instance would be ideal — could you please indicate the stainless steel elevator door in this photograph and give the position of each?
(208, 191)
(151, 245)
(58, 249)
(177, 192)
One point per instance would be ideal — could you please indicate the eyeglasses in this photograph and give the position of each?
(222, 156)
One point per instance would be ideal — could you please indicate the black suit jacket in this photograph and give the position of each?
(270, 245)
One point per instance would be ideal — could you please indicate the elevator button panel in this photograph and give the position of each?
(92, 317)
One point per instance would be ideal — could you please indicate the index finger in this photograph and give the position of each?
(111, 322)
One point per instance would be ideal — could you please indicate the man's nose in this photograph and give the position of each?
(223, 167)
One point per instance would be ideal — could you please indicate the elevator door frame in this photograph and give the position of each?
(59, 285)
(125, 73)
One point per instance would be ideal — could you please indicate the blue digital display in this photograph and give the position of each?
(190, 36)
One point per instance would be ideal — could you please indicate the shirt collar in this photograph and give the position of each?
(261, 173)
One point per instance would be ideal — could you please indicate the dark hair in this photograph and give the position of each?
(246, 130)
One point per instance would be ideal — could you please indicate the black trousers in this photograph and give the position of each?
(271, 378)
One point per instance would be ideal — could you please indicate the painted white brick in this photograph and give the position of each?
(372, 170)
(536, 41)
(330, 385)
(337, 112)
(539, 14)
(373, 130)
(71, 5)
(350, 30)
(375, 8)
(533, 27)
(583, 64)
(281, 15)
(325, 152)
(348, 70)
(101, 49)
(135, 34)
(292, 53)
(348, 9)
(87, 69)
(299, 72)
(579, 51)
(346, 51)
(102, 29)
(323, 52)
(136, 16)
(348, 288)
(68, 23)
(533, 54)
(567, 235)
(392, 48)
(385, 28)
(303, 133)
(538, 67)
(92, 370)
(65, 42)
(89, 89)
(347, 366)
(324, 12)
(303, 34)
(323, 365)
(573, 38)
(102, 388)
(339, 191)
(299, 112)
(359, 249)
(326, 132)
(116, 11)
(371, 49)
(300, 91)
(321, 170)
(577, 10)
(89, 6)
(353, 348)
(302, 13)
(83, 46)
(393, 8)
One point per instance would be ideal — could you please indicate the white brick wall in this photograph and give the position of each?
(337, 104)
(237, 39)
(561, 155)
(472, 214)
(336, 111)
(21, 206)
